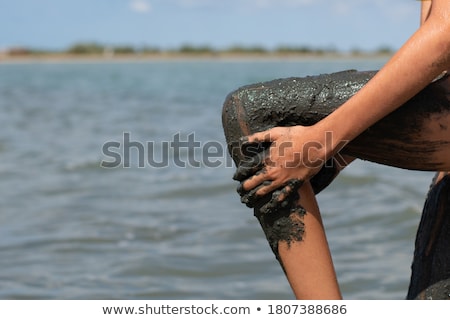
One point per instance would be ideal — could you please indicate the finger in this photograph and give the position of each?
(287, 197)
(251, 149)
(249, 167)
(250, 198)
(258, 178)
(293, 184)
(268, 186)
(272, 205)
(258, 137)
(241, 191)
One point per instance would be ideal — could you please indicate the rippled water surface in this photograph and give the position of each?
(71, 229)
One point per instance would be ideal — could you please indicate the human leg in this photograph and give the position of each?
(414, 137)
(307, 263)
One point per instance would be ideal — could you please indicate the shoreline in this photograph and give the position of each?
(179, 57)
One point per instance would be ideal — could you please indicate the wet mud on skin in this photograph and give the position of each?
(280, 215)
(412, 137)
(285, 224)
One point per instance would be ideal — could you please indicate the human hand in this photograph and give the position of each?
(278, 161)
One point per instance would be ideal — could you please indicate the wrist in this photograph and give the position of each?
(334, 138)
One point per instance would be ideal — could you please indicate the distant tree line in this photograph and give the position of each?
(93, 48)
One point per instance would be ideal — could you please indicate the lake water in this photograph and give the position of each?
(72, 229)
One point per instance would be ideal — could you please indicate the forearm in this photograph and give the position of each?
(425, 55)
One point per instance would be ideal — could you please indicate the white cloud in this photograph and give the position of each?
(141, 6)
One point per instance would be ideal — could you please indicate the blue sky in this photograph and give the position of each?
(340, 24)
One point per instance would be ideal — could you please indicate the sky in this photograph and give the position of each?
(168, 24)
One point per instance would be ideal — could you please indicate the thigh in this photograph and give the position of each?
(416, 136)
